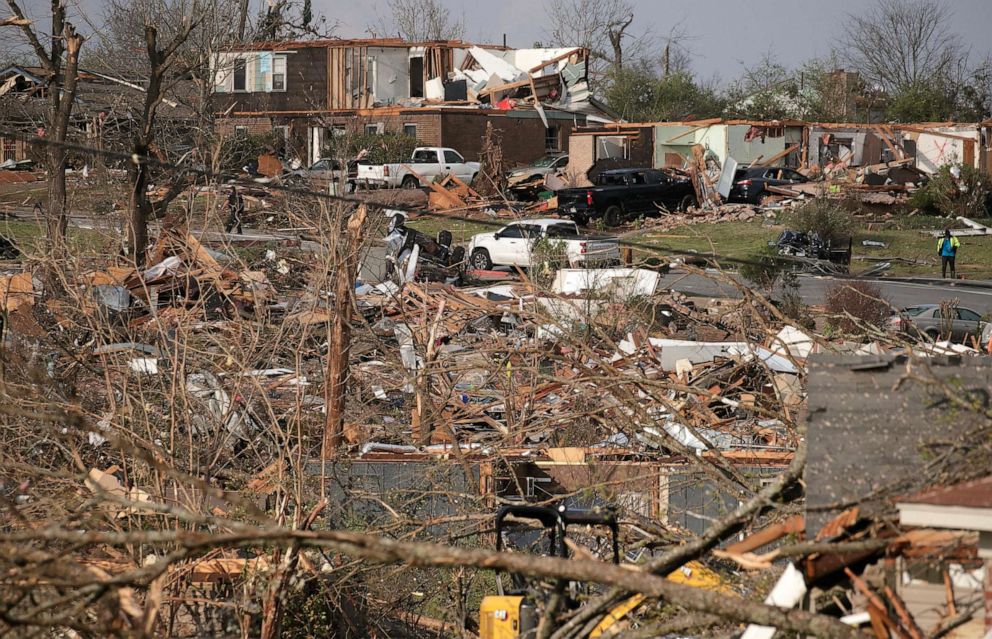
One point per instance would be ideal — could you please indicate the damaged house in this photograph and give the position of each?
(442, 93)
(103, 114)
(827, 148)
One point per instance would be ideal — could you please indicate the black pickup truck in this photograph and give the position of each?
(621, 194)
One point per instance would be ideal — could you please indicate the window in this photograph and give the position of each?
(279, 72)
(321, 165)
(452, 157)
(373, 129)
(655, 177)
(339, 130)
(562, 230)
(410, 131)
(240, 130)
(612, 147)
(552, 139)
(240, 75)
(637, 178)
(968, 315)
(560, 162)
(514, 231)
(282, 131)
(425, 155)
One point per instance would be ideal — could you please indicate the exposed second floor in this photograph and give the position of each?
(344, 75)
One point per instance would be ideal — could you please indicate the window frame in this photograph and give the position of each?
(240, 62)
(410, 125)
(552, 134)
(459, 159)
(284, 74)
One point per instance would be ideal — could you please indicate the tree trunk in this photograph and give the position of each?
(63, 95)
(138, 207)
(339, 346)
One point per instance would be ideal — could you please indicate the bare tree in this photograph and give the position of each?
(901, 43)
(61, 64)
(422, 20)
(601, 27)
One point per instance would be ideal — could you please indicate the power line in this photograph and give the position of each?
(138, 159)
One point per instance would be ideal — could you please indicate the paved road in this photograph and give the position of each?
(814, 290)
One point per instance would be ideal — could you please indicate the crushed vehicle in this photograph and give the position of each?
(621, 194)
(934, 322)
(811, 251)
(538, 170)
(427, 163)
(751, 184)
(436, 260)
(514, 244)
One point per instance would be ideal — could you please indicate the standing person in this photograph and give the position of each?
(236, 206)
(947, 248)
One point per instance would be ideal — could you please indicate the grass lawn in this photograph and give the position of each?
(29, 236)
(744, 239)
(461, 230)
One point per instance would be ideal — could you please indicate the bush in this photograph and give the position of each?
(830, 219)
(945, 194)
(854, 305)
(237, 150)
(383, 148)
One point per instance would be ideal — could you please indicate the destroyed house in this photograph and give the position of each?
(807, 146)
(104, 113)
(441, 93)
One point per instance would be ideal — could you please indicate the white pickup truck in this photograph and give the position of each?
(428, 162)
(513, 245)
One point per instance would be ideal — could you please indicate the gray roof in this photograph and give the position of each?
(872, 428)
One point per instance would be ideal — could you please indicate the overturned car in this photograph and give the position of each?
(412, 255)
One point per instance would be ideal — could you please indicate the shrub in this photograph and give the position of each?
(830, 219)
(237, 150)
(955, 189)
(383, 148)
(854, 305)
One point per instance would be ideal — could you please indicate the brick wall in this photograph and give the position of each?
(256, 126)
(523, 137)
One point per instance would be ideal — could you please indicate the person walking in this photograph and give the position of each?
(236, 207)
(947, 248)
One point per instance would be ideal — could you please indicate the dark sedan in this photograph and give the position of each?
(750, 185)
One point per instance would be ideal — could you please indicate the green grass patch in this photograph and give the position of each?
(745, 239)
(30, 236)
(461, 230)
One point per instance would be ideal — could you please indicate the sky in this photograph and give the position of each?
(725, 35)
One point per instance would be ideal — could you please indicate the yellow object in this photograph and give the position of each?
(615, 615)
(499, 617)
(692, 574)
(697, 575)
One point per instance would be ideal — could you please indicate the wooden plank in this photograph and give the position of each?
(557, 58)
(778, 156)
(907, 619)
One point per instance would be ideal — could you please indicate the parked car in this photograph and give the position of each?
(928, 320)
(427, 162)
(621, 194)
(325, 171)
(513, 244)
(750, 185)
(539, 169)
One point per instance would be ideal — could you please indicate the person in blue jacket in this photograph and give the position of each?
(947, 248)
